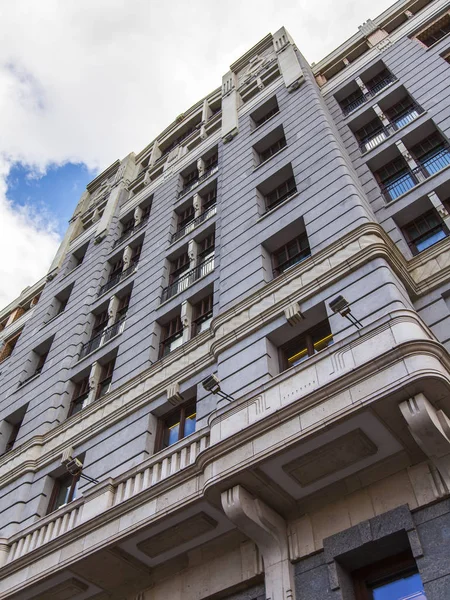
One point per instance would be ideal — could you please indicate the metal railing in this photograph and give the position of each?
(131, 232)
(371, 92)
(187, 279)
(298, 258)
(193, 184)
(104, 336)
(371, 141)
(207, 214)
(117, 278)
(408, 178)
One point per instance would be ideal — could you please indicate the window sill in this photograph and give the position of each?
(51, 320)
(269, 159)
(413, 189)
(25, 382)
(273, 210)
(265, 123)
(71, 271)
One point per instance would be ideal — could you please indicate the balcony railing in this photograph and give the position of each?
(103, 337)
(131, 232)
(188, 278)
(380, 85)
(207, 214)
(117, 278)
(408, 178)
(371, 141)
(193, 184)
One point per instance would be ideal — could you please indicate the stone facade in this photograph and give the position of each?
(288, 234)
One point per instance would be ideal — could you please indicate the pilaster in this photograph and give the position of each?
(288, 62)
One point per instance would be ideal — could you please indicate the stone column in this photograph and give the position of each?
(442, 211)
(126, 257)
(288, 62)
(138, 212)
(113, 307)
(381, 115)
(187, 319)
(192, 253)
(94, 378)
(230, 104)
(155, 154)
(410, 160)
(197, 203)
(269, 531)
(362, 86)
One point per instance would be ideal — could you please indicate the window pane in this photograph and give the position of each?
(171, 435)
(407, 588)
(300, 355)
(189, 424)
(428, 241)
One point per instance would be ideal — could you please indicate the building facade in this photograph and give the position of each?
(234, 381)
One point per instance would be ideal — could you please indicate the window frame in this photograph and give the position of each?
(302, 237)
(57, 486)
(413, 240)
(184, 410)
(388, 569)
(308, 336)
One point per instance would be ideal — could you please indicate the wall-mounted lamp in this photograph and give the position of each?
(341, 306)
(74, 466)
(212, 384)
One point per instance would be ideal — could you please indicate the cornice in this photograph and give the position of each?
(353, 250)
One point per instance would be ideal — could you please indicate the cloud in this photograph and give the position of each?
(89, 82)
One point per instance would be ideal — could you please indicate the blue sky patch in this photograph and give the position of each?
(56, 193)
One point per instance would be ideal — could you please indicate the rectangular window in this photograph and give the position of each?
(281, 193)
(425, 231)
(305, 345)
(269, 145)
(290, 254)
(209, 199)
(432, 153)
(186, 217)
(394, 578)
(64, 491)
(172, 337)
(106, 374)
(122, 309)
(352, 101)
(80, 396)
(436, 31)
(265, 112)
(395, 179)
(178, 425)
(179, 266)
(136, 254)
(203, 312)
(116, 268)
(206, 247)
(371, 135)
(403, 112)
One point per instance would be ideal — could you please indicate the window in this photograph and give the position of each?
(265, 112)
(352, 101)
(209, 199)
(280, 193)
(270, 145)
(116, 268)
(100, 322)
(62, 299)
(394, 578)
(77, 257)
(395, 179)
(425, 231)
(290, 254)
(371, 135)
(403, 112)
(41, 361)
(447, 57)
(80, 396)
(104, 383)
(186, 217)
(179, 266)
(206, 247)
(433, 153)
(203, 312)
(436, 31)
(172, 336)
(64, 491)
(8, 346)
(211, 161)
(122, 309)
(305, 345)
(177, 425)
(135, 254)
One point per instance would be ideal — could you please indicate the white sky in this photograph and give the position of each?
(92, 80)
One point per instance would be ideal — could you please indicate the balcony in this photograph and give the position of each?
(198, 180)
(187, 279)
(117, 278)
(100, 340)
(400, 120)
(131, 232)
(376, 85)
(205, 215)
(406, 178)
